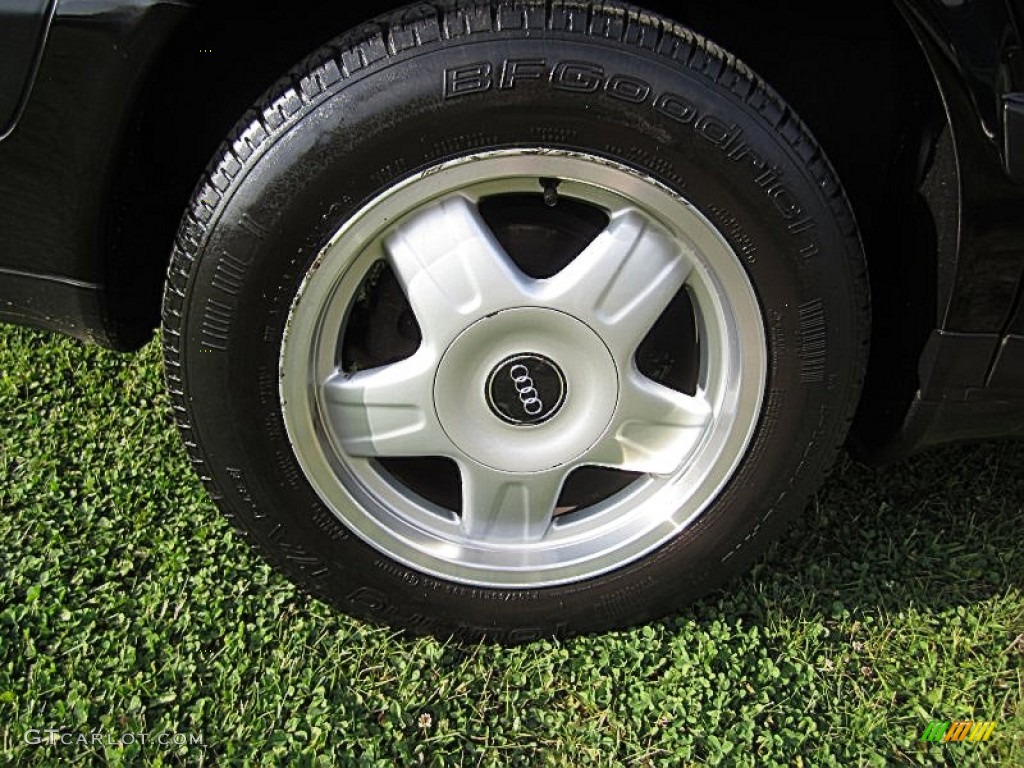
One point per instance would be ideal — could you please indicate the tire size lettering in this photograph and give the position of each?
(587, 78)
(242, 489)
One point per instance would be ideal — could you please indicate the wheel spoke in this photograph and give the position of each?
(497, 506)
(655, 430)
(387, 411)
(622, 281)
(452, 268)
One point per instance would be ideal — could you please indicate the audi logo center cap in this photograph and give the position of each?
(526, 389)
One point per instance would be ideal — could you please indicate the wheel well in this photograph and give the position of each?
(853, 73)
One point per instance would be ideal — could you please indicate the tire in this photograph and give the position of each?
(516, 319)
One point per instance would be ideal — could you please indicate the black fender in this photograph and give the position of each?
(24, 25)
(971, 370)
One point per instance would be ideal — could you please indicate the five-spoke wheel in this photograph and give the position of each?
(520, 381)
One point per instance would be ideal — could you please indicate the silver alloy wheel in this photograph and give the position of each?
(494, 340)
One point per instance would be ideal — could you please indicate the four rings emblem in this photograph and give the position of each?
(528, 394)
(526, 389)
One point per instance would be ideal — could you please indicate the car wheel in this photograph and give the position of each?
(515, 319)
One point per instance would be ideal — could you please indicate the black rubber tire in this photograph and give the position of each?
(433, 82)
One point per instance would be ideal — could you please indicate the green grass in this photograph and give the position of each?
(128, 606)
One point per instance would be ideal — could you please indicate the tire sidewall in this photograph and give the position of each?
(697, 137)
